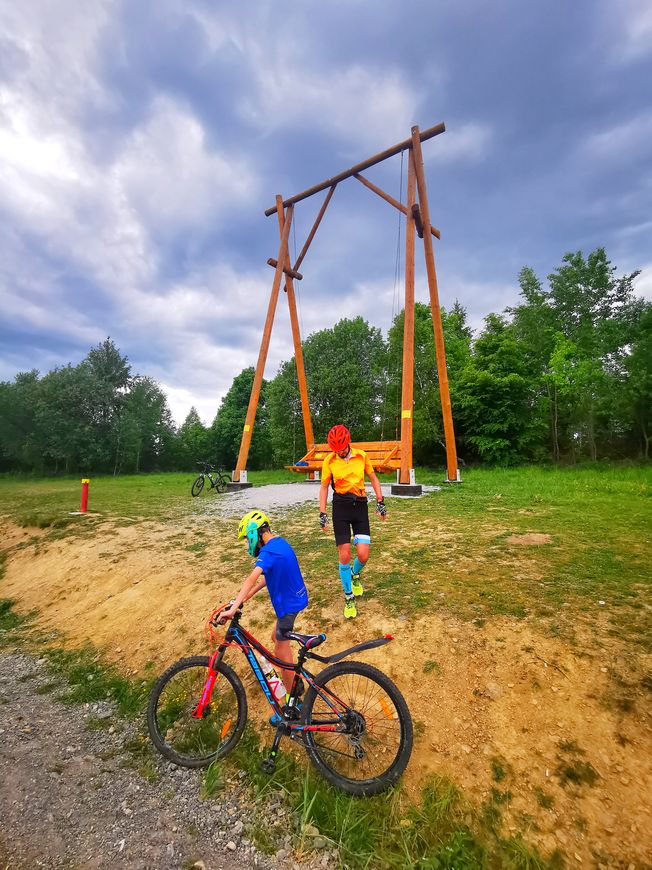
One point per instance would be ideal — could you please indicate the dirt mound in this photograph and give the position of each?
(540, 731)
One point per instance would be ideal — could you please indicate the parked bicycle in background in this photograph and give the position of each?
(217, 477)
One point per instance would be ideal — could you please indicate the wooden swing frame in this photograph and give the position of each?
(384, 455)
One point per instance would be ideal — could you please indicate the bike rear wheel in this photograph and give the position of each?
(198, 485)
(187, 741)
(221, 482)
(373, 751)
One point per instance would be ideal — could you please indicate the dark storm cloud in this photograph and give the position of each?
(140, 144)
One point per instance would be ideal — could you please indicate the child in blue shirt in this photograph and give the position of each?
(278, 569)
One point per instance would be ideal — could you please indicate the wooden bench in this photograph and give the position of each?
(385, 456)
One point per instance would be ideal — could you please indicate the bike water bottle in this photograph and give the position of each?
(274, 682)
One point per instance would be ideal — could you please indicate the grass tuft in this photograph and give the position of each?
(89, 679)
(212, 780)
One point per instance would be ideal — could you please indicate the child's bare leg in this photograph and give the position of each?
(283, 650)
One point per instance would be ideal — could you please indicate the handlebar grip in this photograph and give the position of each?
(316, 641)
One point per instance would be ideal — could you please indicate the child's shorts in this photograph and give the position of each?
(285, 624)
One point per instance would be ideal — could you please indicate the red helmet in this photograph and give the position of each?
(339, 438)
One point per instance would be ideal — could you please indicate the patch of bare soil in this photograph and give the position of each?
(557, 736)
(531, 539)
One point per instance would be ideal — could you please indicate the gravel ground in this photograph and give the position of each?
(276, 497)
(69, 799)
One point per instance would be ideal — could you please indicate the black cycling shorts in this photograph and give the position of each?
(350, 516)
(284, 624)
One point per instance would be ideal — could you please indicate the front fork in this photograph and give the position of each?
(202, 708)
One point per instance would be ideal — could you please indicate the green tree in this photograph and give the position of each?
(109, 378)
(62, 416)
(535, 328)
(576, 336)
(346, 371)
(193, 441)
(427, 425)
(596, 311)
(287, 434)
(637, 391)
(495, 397)
(20, 442)
(145, 430)
(226, 431)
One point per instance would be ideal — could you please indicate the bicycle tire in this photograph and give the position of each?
(221, 482)
(197, 731)
(325, 748)
(198, 485)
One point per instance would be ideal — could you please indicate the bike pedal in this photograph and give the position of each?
(268, 765)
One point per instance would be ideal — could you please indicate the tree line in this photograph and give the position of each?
(564, 375)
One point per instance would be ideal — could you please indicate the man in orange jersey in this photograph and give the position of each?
(345, 470)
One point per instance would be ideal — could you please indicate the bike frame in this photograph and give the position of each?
(239, 637)
(219, 478)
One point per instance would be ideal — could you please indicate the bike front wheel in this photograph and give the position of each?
(374, 745)
(177, 735)
(198, 485)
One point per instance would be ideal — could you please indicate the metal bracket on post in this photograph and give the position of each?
(314, 479)
(243, 483)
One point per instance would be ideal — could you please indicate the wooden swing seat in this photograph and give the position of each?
(385, 456)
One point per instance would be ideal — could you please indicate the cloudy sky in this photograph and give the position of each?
(140, 143)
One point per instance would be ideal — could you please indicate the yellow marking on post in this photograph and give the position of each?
(386, 710)
(247, 428)
(86, 480)
(225, 729)
(406, 415)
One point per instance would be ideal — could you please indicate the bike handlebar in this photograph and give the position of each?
(217, 618)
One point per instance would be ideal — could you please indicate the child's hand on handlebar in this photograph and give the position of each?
(228, 613)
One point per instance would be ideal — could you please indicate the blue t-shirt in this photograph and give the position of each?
(283, 577)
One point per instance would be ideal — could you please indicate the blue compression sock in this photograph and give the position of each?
(357, 565)
(345, 577)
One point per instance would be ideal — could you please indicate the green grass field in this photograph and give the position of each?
(41, 501)
(455, 552)
(598, 517)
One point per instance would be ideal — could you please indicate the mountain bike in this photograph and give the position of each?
(219, 482)
(353, 722)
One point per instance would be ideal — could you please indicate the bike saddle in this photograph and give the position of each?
(309, 641)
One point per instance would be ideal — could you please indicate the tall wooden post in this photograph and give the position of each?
(407, 386)
(241, 464)
(449, 432)
(296, 338)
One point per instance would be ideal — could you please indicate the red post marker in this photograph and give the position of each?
(84, 496)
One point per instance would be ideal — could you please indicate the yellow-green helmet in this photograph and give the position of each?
(248, 528)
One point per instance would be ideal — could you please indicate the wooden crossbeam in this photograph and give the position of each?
(292, 273)
(390, 199)
(359, 167)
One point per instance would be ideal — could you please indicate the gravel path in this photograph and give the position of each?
(70, 799)
(277, 496)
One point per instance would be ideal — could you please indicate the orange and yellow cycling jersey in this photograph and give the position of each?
(347, 474)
